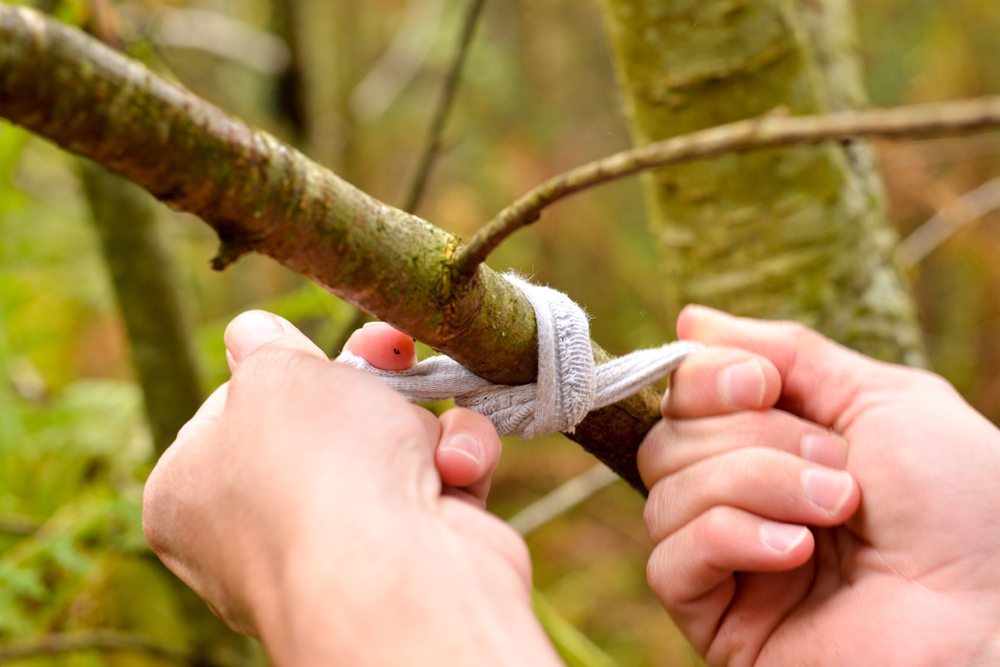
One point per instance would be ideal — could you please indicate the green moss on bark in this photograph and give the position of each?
(799, 233)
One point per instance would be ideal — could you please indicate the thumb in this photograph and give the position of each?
(256, 328)
(821, 379)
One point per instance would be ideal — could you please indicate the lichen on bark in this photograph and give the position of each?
(797, 233)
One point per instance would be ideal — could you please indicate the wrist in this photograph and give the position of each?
(424, 603)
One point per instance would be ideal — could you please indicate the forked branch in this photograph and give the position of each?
(771, 131)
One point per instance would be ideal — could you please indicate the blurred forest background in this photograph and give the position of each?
(353, 84)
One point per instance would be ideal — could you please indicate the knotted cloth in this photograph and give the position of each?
(569, 384)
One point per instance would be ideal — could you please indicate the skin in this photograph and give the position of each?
(810, 506)
(312, 507)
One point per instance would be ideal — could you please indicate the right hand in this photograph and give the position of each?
(901, 567)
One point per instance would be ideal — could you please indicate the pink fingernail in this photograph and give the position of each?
(782, 537)
(463, 443)
(250, 331)
(742, 385)
(827, 489)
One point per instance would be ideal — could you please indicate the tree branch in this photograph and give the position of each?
(771, 131)
(262, 196)
(257, 193)
(433, 144)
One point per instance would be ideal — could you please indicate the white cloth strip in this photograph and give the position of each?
(569, 384)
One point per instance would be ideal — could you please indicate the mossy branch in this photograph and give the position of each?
(771, 131)
(263, 196)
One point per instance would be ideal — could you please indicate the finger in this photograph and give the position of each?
(468, 452)
(720, 380)
(766, 482)
(762, 601)
(254, 329)
(820, 378)
(674, 444)
(383, 346)
(691, 572)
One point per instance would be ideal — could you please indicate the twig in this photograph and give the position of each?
(433, 144)
(769, 131)
(91, 640)
(965, 210)
(562, 499)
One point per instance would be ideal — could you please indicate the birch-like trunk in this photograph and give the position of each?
(798, 233)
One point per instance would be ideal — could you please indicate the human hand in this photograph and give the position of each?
(303, 503)
(901, 563)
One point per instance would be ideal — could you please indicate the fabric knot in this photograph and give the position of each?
(569, 385)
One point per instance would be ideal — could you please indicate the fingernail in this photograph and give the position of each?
(827, 489)
(782, 536)
(825, 449)
(371, 324)
(250, 331)
(742, 385)
(463, 443)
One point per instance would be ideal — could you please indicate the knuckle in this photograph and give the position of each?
(655, 514)
(799, 332)
(659, 575)
(654, 458)
(711, 525)
(932, 381)
(266, 364)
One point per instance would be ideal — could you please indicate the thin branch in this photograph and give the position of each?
(945, 223)
(91, 640)
(433, 143)
(562, 499)
(769, 131)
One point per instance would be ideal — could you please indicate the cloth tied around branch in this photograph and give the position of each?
(569, 384)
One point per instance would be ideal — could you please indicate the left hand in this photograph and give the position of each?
(313, 507)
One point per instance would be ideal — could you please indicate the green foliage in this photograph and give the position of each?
(539, 98)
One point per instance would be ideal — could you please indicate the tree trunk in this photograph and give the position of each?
(141, 271)
(798, 233)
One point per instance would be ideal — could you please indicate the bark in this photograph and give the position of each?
(142, 276)
(801, 233)
(262, 196)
